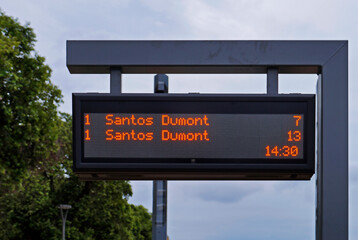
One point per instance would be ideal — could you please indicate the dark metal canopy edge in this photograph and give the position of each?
(199, 56)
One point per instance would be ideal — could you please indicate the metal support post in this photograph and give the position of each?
(64, 208)
(64, 217)
(116, 81)
(160, 188)
(161, 83)
(272, 81)
(332, 162)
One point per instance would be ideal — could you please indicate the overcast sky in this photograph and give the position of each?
(208, 210)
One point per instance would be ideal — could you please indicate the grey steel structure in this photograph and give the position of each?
(328, 59)
(160, 188)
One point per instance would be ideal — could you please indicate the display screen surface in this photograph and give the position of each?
(193, 136)
(209, 136)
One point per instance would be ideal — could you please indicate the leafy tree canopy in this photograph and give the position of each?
(28, 101)
(36, 157)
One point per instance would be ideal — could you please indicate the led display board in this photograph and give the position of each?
(193, 136)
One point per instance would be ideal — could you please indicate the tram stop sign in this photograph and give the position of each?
(194, 136)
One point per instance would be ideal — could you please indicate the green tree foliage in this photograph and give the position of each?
(36, 158)
(28, 100)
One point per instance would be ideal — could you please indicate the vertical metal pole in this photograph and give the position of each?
(319, 160)
(64, 217)
(332, 169)
(272, 81)
(116, 81)
(160, 188)
(63, 225)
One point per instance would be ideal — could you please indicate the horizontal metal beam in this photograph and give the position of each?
(192, 69)
(199, 56)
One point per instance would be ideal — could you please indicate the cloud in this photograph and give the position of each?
(142, 194)
(224, 192)
(271, 212)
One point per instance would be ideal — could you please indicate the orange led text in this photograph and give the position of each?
(298, 118)
(181, 121)
(170, 136)
(128, 136)
(285, 151)
(111, 120)
(294, 136)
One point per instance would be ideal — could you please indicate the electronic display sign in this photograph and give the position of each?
(169, 136)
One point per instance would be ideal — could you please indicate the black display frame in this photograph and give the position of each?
(201, 168)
